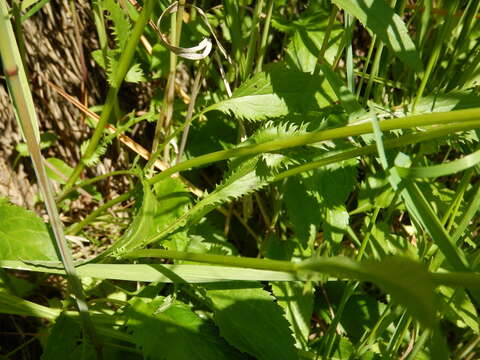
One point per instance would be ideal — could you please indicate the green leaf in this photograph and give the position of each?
(61, 171)
(170, 330)
(276, 92)
(380, 18)
(394, 275)
(335, 223)
(319, 197)
(458, 308)
(241, 181)
(303, 210)
(121, 24)
(201, 238)
(250, 320)
(63, 341)
(375, 191)
(296, 299)
(455, 100)
(422, 212)
(23, 235)
(158, 208)
(46, 140)
(360, 314)
(156, 272)
(135, 74)
(306, 41)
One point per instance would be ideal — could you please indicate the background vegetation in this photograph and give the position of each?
(241, 180)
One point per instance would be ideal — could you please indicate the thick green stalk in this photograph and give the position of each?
(123, 66)
(345, 155)
(330, 134)
(242, 262)
(27, 118)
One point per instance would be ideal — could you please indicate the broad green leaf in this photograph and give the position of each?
(241, 180)
(458, 308)
(319, 197)
(387, 242)
(158, 208)
(380, 18)
(296, 299)
(59, 171)
(334, 182)
(394, 275)
(250, 320)
(133, 75)
(303, 210)
(276, 92)
(23, 235)
(63, 342)
(201, 238)
(172, 331)
(375, 191)
(335, 223)
(306, 41)
(455, 100)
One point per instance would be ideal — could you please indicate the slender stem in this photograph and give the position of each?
(265, 33)
(169, 97)
(123, 66)
(432, 62)
(252, 44)
(27, 118)
(72, 230)
(326, 36)
(93, 180)
(365, 66)
(191, 105)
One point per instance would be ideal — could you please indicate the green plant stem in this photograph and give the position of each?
(27, 118)
(166, 114)
(468, 215)
(191, 106)
(365, 66)
(330, 134)
(252, 44)
(326, 36)
(74, 229)
(222, 155)
(264, 39)
(93, 180)
(432, 61)
(243, 262)
(123, 66)
(374, 70)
